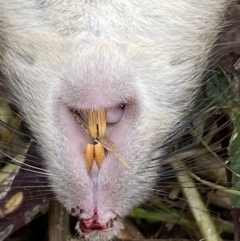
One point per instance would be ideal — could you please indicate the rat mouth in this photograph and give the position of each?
(95, 124)
(91, 225)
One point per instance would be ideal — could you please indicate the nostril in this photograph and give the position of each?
(115, 114)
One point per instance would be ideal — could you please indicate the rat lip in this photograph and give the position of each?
(91, 225)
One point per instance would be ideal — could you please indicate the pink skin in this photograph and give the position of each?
(113, 116)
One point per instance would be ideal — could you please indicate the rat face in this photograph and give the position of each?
(102, 85)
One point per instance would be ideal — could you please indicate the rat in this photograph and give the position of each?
(102, 85)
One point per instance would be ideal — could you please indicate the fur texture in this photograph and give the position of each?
(57, 55)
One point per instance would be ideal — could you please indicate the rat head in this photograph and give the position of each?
(102, 85)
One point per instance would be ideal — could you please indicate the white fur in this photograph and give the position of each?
(151, 55)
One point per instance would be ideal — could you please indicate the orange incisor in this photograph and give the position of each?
(96, 124)
(97, 129)
(94, 152)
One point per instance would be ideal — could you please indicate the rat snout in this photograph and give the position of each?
(96, 110)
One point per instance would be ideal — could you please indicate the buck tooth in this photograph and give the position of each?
(102, 123)
(99, 154)
(89, 156)
(92, 120)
